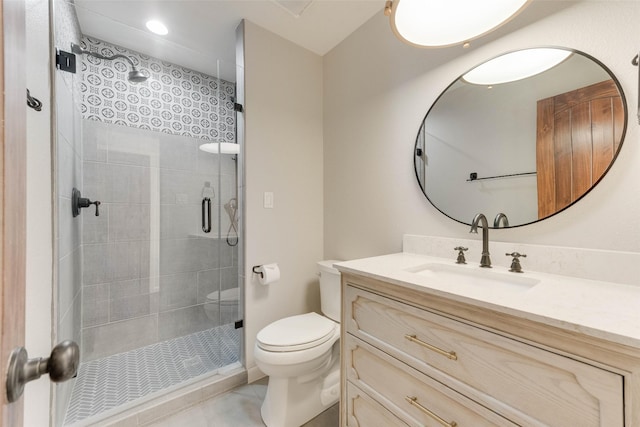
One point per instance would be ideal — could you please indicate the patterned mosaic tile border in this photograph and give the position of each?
(173, 100)
(106, 383)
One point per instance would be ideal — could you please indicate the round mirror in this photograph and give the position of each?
(521, 137)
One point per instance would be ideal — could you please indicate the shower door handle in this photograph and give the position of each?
(206, 210)
(61, 365)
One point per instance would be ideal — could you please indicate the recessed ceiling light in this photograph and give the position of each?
(516, 66)
(157, 27)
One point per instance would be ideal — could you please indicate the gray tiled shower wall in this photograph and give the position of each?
(147, 265)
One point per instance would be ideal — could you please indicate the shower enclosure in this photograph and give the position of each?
(148, 278)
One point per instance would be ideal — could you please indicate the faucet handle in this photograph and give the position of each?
(516, 254)
(515, 262)
(78, 202)
(461, 259)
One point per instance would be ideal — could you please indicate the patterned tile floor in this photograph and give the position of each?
(112, 381)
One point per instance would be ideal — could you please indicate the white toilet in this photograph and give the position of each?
(301, 356)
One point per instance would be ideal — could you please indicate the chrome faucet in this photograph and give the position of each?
(500, 217)
(485, 260)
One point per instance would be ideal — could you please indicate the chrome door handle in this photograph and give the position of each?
(61, 365)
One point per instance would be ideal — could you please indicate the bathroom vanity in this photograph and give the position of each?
(429, 342)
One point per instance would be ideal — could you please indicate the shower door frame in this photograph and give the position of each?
(240, 355)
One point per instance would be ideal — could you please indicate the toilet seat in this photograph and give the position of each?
(296, 333)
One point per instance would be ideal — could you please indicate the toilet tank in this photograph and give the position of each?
(329, 289)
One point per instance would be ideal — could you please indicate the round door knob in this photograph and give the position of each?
(61, 365)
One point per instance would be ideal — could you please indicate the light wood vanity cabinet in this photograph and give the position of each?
(413, 359)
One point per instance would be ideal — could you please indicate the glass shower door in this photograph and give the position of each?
(149, 287)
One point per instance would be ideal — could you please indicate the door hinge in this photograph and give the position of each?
(239, 324)
(238, 107)
(65, 61)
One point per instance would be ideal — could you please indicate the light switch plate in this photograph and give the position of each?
(268, 200)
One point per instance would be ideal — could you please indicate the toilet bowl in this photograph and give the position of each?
(301, 356)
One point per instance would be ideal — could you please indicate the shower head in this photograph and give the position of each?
(135, 75)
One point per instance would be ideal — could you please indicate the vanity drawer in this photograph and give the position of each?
(363, 411)
(539, 385)
(411, 395)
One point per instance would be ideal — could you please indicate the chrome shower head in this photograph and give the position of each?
(135, 75)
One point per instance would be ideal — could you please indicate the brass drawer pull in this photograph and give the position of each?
(450, 354)
(414, 401)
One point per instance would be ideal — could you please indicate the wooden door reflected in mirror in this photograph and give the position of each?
(578, 134)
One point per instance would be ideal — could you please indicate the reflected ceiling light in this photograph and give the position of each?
(516, 66)
(441, 23)
(220, 147)
(157, 27)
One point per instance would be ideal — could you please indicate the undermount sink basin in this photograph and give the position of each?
(475, 278)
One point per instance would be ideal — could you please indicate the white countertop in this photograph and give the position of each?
(600, 309)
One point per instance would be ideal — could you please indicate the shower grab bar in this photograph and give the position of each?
(206, 206)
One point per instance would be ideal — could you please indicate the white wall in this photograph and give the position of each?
(283, 146)
(377, 90)
(39, 210)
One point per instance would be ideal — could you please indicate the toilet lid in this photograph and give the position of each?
(296, 333)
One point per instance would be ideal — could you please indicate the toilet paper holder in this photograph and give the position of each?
(255, 268)
(268, 273)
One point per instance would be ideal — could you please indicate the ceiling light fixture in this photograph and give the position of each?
(516, 66)
(437, 23)
(157, 27)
